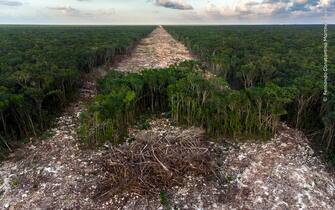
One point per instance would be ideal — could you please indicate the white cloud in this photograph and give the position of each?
(267, 8)
(325, 2)
(11, 3)
(67, 10)
(174, 4)
(73, 12)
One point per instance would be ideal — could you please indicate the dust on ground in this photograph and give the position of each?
(48, 173)
(283, 173)
(158, 50)
(58, 173)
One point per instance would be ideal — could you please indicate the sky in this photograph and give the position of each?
(121, 12)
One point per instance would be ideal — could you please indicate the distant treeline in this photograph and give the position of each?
(289, 57)
(40, 68)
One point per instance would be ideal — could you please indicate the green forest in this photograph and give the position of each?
(264, 75)
(40, 68)
(250, 58)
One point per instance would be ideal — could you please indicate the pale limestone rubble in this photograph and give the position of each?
(158, 50)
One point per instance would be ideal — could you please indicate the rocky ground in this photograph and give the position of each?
(58, 172)
(48, 173)
(158, 50)
(283, 173)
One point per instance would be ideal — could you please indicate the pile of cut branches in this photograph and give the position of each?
(156, 162)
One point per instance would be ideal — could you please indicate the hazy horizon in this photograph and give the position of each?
(195, 24)
(165, 12)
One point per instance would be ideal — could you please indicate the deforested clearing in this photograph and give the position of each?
(168, 117)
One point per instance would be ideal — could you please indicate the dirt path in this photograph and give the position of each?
(54, 172)
(158, 50)
(283, 173)
(57, 173)
(48, 173)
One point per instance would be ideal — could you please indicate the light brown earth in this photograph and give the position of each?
(158, 50)
(283, 173)
(58, 173)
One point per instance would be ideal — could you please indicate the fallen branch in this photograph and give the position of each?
(153, 163)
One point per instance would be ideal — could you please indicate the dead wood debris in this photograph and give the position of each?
(57, 174)
(156, 162)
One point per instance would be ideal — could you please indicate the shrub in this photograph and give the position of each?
(191, 99)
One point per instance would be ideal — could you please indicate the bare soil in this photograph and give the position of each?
(158, 50)
(283, 173)
(58, 172)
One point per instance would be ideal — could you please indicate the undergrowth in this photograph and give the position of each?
(191, 99)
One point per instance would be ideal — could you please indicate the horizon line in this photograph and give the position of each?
(169, 24)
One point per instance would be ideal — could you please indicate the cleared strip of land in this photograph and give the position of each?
(158, 50)
(56, 173)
